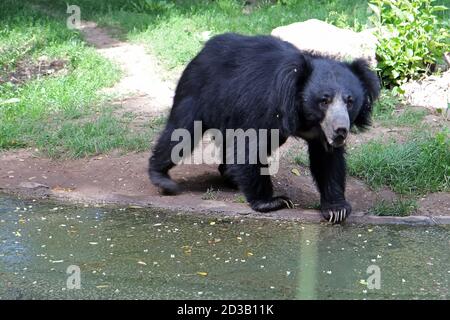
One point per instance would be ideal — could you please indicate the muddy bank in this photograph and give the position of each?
(122, 180)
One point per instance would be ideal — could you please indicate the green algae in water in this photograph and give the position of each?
(151, 254)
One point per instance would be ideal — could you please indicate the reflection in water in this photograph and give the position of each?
(143, 253)
(307, 267)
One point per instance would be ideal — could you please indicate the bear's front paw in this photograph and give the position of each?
(336, 212)
(275, 203)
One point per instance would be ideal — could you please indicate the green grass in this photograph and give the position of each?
(389, 111)
(174, 28)
(210, 194)
(417, 166)
(61, 114)
(301, 159)
(399, 208)
(239, 199)
(97, 136)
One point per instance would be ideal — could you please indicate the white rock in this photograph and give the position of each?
(432, 92)
(319, 37)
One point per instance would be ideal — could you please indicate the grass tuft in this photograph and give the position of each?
(390, 112)
(399, 208)
(420, 165)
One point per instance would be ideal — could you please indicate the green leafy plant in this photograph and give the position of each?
(411, 38)
(344, 21)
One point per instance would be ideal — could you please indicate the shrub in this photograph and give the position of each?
(412, 38)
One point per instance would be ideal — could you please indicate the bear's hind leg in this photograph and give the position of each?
(257, 188)
(161, 161)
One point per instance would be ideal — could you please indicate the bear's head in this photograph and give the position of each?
(333, 97)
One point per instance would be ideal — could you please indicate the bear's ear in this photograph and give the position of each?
(371, 85)
(288, 83)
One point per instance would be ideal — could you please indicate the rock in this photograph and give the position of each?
(447, 58)
(32, 185)
(432, 92)
(319, 37)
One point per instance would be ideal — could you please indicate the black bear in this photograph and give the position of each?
(262, 82)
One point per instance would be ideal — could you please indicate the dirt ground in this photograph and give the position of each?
(122, 179)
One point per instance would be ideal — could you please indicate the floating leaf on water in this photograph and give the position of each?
(57, 261)
(62, 189)
(295, 171)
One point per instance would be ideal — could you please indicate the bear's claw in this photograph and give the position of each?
(289, 203)
(339, 216)
(336, 213)
(272, 204)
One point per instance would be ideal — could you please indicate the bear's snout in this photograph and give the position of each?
(336, 123)
(340, 136)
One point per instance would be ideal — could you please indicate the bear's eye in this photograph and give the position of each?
(325, 100)
(349, 101)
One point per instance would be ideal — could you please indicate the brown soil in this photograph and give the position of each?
(115, 179)
(27, 70)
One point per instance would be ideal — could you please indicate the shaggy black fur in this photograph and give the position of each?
(264, 83)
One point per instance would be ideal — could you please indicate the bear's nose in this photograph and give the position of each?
(341, 132)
